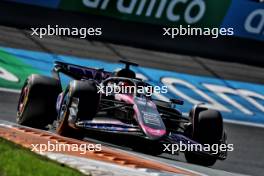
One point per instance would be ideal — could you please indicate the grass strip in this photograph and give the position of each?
(18, 161)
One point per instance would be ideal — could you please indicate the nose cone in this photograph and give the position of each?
(149, 119)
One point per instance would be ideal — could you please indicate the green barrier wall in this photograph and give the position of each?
(203, 13)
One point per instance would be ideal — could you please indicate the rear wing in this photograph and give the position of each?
(79, 72)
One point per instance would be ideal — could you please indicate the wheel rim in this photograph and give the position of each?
(23, 100)
(63, 108)
(62, 114)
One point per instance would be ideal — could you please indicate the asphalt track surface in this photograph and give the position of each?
(248, 156)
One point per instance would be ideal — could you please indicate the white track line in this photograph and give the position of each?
(9, 90)
(98, 168)
(244, 123)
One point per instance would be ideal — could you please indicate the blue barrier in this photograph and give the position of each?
(247, 19)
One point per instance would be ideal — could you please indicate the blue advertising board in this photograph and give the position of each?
(247, 19)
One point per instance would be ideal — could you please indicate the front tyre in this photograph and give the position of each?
(207, 129)
(80, 102)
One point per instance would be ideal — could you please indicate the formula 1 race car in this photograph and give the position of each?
(85, 106)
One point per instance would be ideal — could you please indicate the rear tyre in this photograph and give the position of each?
(37, 101)
(80, 102)
(207, 129)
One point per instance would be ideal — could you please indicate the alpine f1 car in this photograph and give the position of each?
(84, 106)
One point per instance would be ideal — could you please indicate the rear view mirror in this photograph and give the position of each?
(177, 101)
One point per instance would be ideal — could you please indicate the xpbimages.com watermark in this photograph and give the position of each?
(210, 148)
(56, 30)
(121, 89)
(62, 147)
